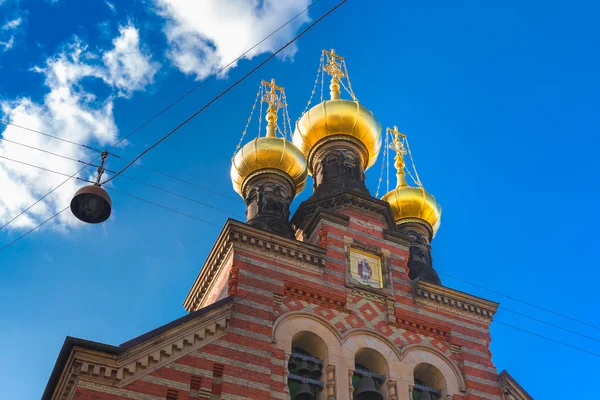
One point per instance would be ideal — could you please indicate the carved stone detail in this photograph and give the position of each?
(454, 301)
(119, 371)
(312, 295)
(392, 390)
(268, 201)
(237, 234)
(422, 327)
(420, 263)
(337, 166)
(330, 382)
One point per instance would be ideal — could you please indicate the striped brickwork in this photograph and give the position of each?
(271, 278)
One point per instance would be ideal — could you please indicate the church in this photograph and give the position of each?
(338, 301)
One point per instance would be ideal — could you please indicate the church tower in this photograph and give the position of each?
(339, 301)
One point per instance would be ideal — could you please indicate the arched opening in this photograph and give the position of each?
(371, 371)
(308, 356)
(429, 383)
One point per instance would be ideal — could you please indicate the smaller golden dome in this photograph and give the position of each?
(268, 155)
(411, 204)
(344, 119)
(414, 203)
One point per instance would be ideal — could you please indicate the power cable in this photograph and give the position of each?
(148, 121)
(522, 301)
(170, 105)
(107, 187)
(33, 229)
(547, 338)
(226, 90)
(124, 176)
(218, 226)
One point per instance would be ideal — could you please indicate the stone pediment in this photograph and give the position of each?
(511, 390)
(340, 200)
(119, 366)
(454, 301)
(236, 233)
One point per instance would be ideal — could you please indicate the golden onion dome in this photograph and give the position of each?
(411, 204)
(414, 204)
(339, 119)
(268, 155)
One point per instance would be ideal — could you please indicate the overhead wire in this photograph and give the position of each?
(191, 117)
(147, 122)
(124, 176)
(110, 171)
(521, 301)
(112, 188)
(234, 84)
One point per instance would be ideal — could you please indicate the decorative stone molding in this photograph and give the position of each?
(236, 234)
(323, 215)
(454, 301)
(141, 359)
(344, 199)
(392, 390)
(425, 328)
(350, 387)
(511, 390)
(330, 382)
(414, 354)
(315, 296)
(455, 349)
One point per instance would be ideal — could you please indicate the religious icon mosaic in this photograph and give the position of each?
(366, 268)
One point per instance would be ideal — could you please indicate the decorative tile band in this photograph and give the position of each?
(314, 296)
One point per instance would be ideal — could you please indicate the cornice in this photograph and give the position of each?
(236, 232)
(510, 386)
(454, 301)
(338, 200)
(118, 370)
(323, 214)
(315, 296)
(416, 325)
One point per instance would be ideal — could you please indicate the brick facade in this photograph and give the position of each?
(257, 291)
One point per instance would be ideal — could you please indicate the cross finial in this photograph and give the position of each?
(272, 98)
(334, 69)
(400, 152)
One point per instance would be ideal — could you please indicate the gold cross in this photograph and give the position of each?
(396, 142)
(334, 64)
(271, 97)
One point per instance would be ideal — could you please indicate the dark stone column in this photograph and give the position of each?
(337, 166)
(268, 198)
(420, 264)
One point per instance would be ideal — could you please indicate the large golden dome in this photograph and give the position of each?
(339, 119)
(414, 204)
(268, 155)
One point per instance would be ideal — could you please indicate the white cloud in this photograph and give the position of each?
(204, 36)
(70, 111)
(111, 6)
(7, 33)
(8, 44)
(13, 24)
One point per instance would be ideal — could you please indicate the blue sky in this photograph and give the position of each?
(500, 102)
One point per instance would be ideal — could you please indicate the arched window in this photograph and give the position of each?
(370, 374)
(309, 353)
(429, 383)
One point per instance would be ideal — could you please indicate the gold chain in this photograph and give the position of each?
(414, 167)
(312, 93)
(351, 91)
(248, 122)
(383, 162)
